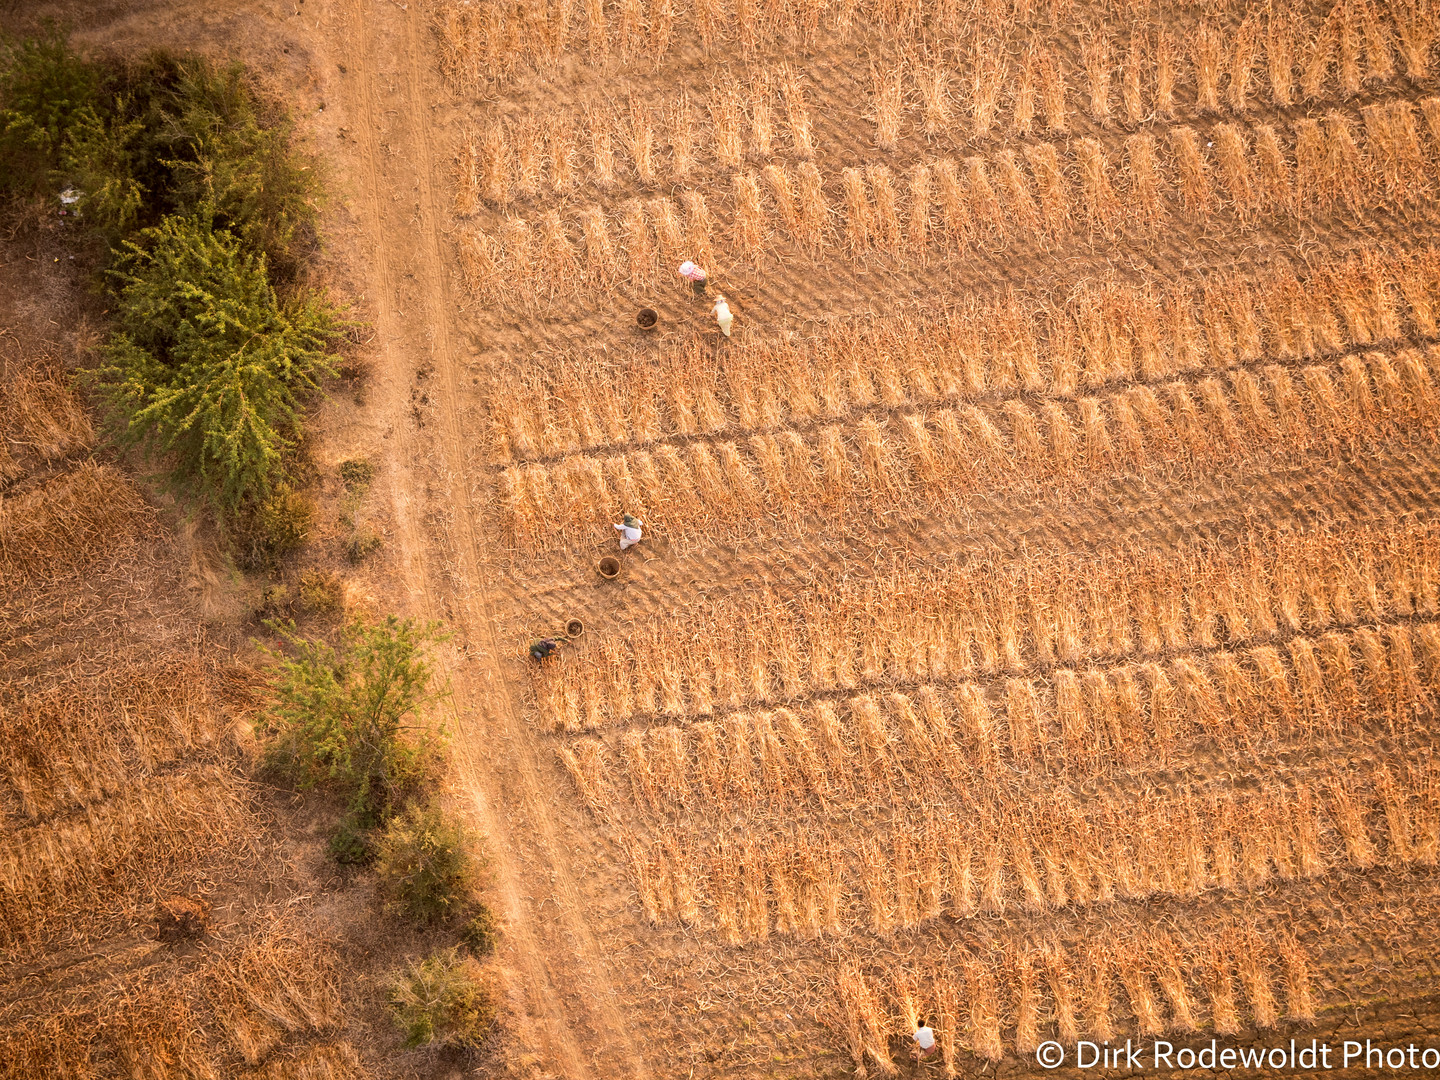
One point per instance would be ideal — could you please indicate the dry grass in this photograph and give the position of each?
(1144, 180)
(1244, 52)
(113, 784)
(1166, 61)
(1053, 94)
(1393, 141)
(71, 520)
(273, 1001)
(987, 80)
(1206, 58)
(1022, 115)
(1280, 57)
(726, 111)
(797, 114)
(859, 224)
(1095, 55)
(1234, 169)
(680, 121)
(789, 766)
(1102, 332)
(885, 220)
(964, 994)
(41, 419)
(762, 116)
(750, 225)
(479, 52)
(933, 83)
(1131, 847)
(1132, 78)
(985, 197)
(1192, 172)
(1051, 187)
(1102, 208)
(1415, 30)
(889, 106)
(1099, 712)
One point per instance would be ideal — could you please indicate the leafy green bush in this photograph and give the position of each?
(441, 999)
(353, 718)
(234, 165)
(159, 136)
(98, 161)
(207, 367)
(43, 86)
(194, 183)
(356, 474)
(425, 865)
(274, 601)
(263, 533)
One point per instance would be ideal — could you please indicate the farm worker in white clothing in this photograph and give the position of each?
(924, 1040)
(629, 530)
(722, 315)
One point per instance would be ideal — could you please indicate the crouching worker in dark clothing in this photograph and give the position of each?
(544, 648)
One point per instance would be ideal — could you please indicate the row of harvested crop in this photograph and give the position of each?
(1153, 72)
(958, 621)
(947, 207)
(981, 998)
(936, 742)
(911, 464)
(845, 877)
(1093, 336)
(134, 835)
(1162, 67)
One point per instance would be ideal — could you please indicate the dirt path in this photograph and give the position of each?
(559, 966)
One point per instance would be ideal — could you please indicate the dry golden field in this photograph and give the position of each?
(1036, 626)
(124, 785)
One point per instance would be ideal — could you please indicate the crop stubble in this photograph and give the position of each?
(888, 756)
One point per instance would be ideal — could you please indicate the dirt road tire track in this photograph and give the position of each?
(485, 715)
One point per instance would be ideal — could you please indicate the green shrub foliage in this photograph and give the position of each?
(194, 184)
(234, 166)
(207, 366)
(441, 1000)
(44, 86)
(156, 137)
(425, 864)
(352, 718)
(99, 161)
(481, 930)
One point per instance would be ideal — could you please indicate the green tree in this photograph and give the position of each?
(43, 86)
(233, 164)
(208, 368)
(425, 864)
(441, 999)
(99, 159)
(353, 718)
